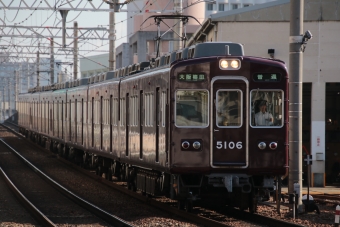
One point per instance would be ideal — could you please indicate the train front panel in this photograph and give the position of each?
(218, 134)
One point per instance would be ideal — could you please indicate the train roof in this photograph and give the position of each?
(198, 50)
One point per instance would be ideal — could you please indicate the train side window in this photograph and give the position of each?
(163, 106)
(228, 108)
(122, 111)
(114, 112)
(192, 108)
(266, 108)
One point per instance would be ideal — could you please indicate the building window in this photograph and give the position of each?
(220, 7)
(210, 7)
(171, 46)
(246, 5)
(234, 6)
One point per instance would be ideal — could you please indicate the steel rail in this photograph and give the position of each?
(36, 213)
(114, 220)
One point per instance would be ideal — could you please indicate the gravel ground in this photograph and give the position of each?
(311, 219)
(135, 212)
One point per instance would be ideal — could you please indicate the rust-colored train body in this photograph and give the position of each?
(201, 121)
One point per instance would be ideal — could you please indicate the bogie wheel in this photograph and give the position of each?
(108, 174)
(65, 152)
(252, 203)
(188, 205)
(85, 160)
(181, 204)
(131, 180)
(122, 173)
(99, 171)
(116, 170)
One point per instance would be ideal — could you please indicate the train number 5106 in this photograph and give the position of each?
(228, 145)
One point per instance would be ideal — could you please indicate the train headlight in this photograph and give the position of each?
(262, 145)
(185, 145)
(196, 145)
(234, 64)
(224, 64)
(273, 145)
(230, 64)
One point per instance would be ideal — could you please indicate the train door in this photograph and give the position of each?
(82, 122)
(141, 120)
(158, 125)
(230, 124)
(101, 122)
(75, 118)
(127, 128)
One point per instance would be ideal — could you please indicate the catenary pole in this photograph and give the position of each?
(179, 26)
(38, 68)
(295, 99)
(75, 50)
(52, 61)
(112, 55)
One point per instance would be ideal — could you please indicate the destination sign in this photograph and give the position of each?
(267, 77)
(191, 77)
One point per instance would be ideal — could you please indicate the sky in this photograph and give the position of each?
(45, 18)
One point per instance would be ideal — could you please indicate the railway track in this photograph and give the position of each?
(10, 199)
(205, 217)
(50, 203)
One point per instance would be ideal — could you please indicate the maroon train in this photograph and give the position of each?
(202, 122)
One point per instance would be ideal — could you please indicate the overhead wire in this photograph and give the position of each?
(146, 5)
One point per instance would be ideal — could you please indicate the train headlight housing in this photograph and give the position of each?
(262, 145)
(273, 145)
(224, 64)
(191, 145)
(185, 145)
(234, 64)
(196, 145)
(230, 64)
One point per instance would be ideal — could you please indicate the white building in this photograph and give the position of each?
(142, 44)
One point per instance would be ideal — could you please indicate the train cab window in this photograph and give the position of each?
(192, 108)
(228, 108)
(266, 108)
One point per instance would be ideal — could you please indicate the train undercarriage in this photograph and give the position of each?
(234, 190)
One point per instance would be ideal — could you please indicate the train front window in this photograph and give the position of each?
(228, 108)
(192, 108)
(266, 108)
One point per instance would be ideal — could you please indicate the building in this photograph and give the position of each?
(264, 31)
(93, 65)
(18, 77)
(141, 31)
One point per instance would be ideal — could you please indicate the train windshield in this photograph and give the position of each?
(228, 108)
(192, 108)
(266, 108)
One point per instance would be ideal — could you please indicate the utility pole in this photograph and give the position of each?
(178, 28)
(1, 109)
(75, 51)
(38, 68)
(52, 61)
(64, 15)
(9, 96)
(112, 54)
(17, 74)
(3, 101)
(295, 99)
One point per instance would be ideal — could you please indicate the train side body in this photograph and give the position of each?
(211, 122)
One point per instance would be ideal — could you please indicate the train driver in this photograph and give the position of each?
(263, 118)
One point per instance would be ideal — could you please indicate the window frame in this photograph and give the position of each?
(207, 105)
(251, 107)
(241, 109)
